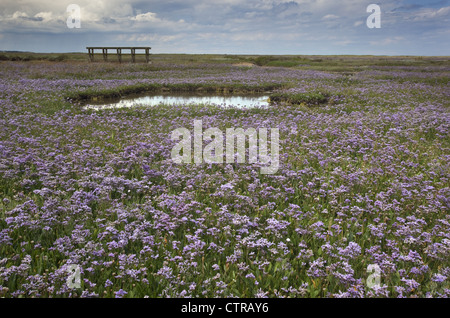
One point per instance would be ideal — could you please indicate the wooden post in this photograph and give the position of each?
(105, 54)
(91, 55)
(133, 55)
(147, 57)
(119, 55)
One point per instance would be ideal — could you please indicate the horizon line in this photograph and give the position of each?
(261, 54)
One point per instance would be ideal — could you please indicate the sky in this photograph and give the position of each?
(307, 27)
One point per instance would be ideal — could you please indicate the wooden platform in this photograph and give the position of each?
(91, 50)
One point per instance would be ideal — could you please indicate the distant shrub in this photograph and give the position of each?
(4, 57)
(58, 58)
(28, 58)
(263, 60)
(279, 61)
(288, 63)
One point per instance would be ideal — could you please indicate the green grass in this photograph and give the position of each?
(312, 98)
(330, 63)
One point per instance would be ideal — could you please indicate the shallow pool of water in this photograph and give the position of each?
(153, 100)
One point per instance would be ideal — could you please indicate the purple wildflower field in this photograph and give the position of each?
(363, 180)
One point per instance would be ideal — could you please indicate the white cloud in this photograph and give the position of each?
(143, 37)
(46, 16)
(145, 17)
(388, 41)
(343, 42)
(330, 17)
(18, 15)
(231, 23)
(430, 14)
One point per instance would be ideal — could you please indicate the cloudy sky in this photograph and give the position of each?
(408, 27)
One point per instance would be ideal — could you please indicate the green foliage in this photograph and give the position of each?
(313, 98)
(95, 94)
(58, 58)
(279, 61)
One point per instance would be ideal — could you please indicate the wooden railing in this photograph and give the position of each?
(119, 49)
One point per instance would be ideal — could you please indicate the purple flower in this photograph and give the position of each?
(108, 283)
(120, 293)
(439, 278)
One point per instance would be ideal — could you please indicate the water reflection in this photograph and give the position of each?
(224, 100)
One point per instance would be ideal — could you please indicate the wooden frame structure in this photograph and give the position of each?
(119, 49)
